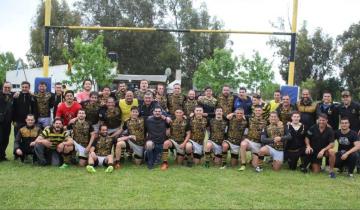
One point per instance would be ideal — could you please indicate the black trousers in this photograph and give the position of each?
(293, 157)
(5, 129)
(350, 162)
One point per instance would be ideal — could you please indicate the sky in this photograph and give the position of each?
(333, 16)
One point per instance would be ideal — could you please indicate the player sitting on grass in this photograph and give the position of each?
(100, 151)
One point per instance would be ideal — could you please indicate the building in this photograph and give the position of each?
(58, 74)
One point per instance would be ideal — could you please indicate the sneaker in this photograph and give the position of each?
(351, 175)
(117, 166)
(90, 169)
(207, 164)
(164, 166)
(189, 164)
(258, 169)
(332, 175)
(109, 169)
(223, 167)
(242, 168)
(64, 166)
(150, 166)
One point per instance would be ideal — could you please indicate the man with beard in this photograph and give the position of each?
(161, 97)
(126, 104)
(25, 136)
(175, 100)
(190, 103)
(179, 136)
(155, 126)
(147, 105)
(256, 124)
(349, 145)
(243, 101)
(135, 138)
(121, 91)
(307, 109)
(6, 103)
(273, 137)
(24, 103)
(45, 101)
(92, 108)
(68, 110)
(330, 109)
(100, 151)
(143, 89)
(217, 130)
(52, 143)
(83, 136)
(285, 109)
(198, 127)
(319, 143)
(84, 95)
(295, 146)
(208, 102)
(237, 130)
(111, 117)
(225, 100)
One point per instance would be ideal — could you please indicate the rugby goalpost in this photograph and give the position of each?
(292, 34)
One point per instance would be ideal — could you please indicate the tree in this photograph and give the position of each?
(7, 62)
(59, 39)
(314, 54)
(349, 58)
(256, 73)
(139, 53)
(217, 71)
(89, 61)
(195, 47)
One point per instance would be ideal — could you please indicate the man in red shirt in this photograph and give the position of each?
(68, 110)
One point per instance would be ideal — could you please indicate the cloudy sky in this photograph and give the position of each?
(333, 16)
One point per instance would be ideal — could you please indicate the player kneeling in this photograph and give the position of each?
(179, 136)
(274, 137)
(198, 126)
(237, 129)
(218, 127)
(100, 151)
(135, 140)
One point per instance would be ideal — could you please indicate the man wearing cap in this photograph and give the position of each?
(351, 110)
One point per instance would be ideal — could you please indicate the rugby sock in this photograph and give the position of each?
(207, 156)
(224, 156)
(165, 156)
(261, 160)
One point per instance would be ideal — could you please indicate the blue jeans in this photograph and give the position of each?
(152, 153)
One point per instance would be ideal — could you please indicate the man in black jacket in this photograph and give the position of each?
(24, 104)
(6, 100)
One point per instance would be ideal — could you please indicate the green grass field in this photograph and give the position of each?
(31, 187)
